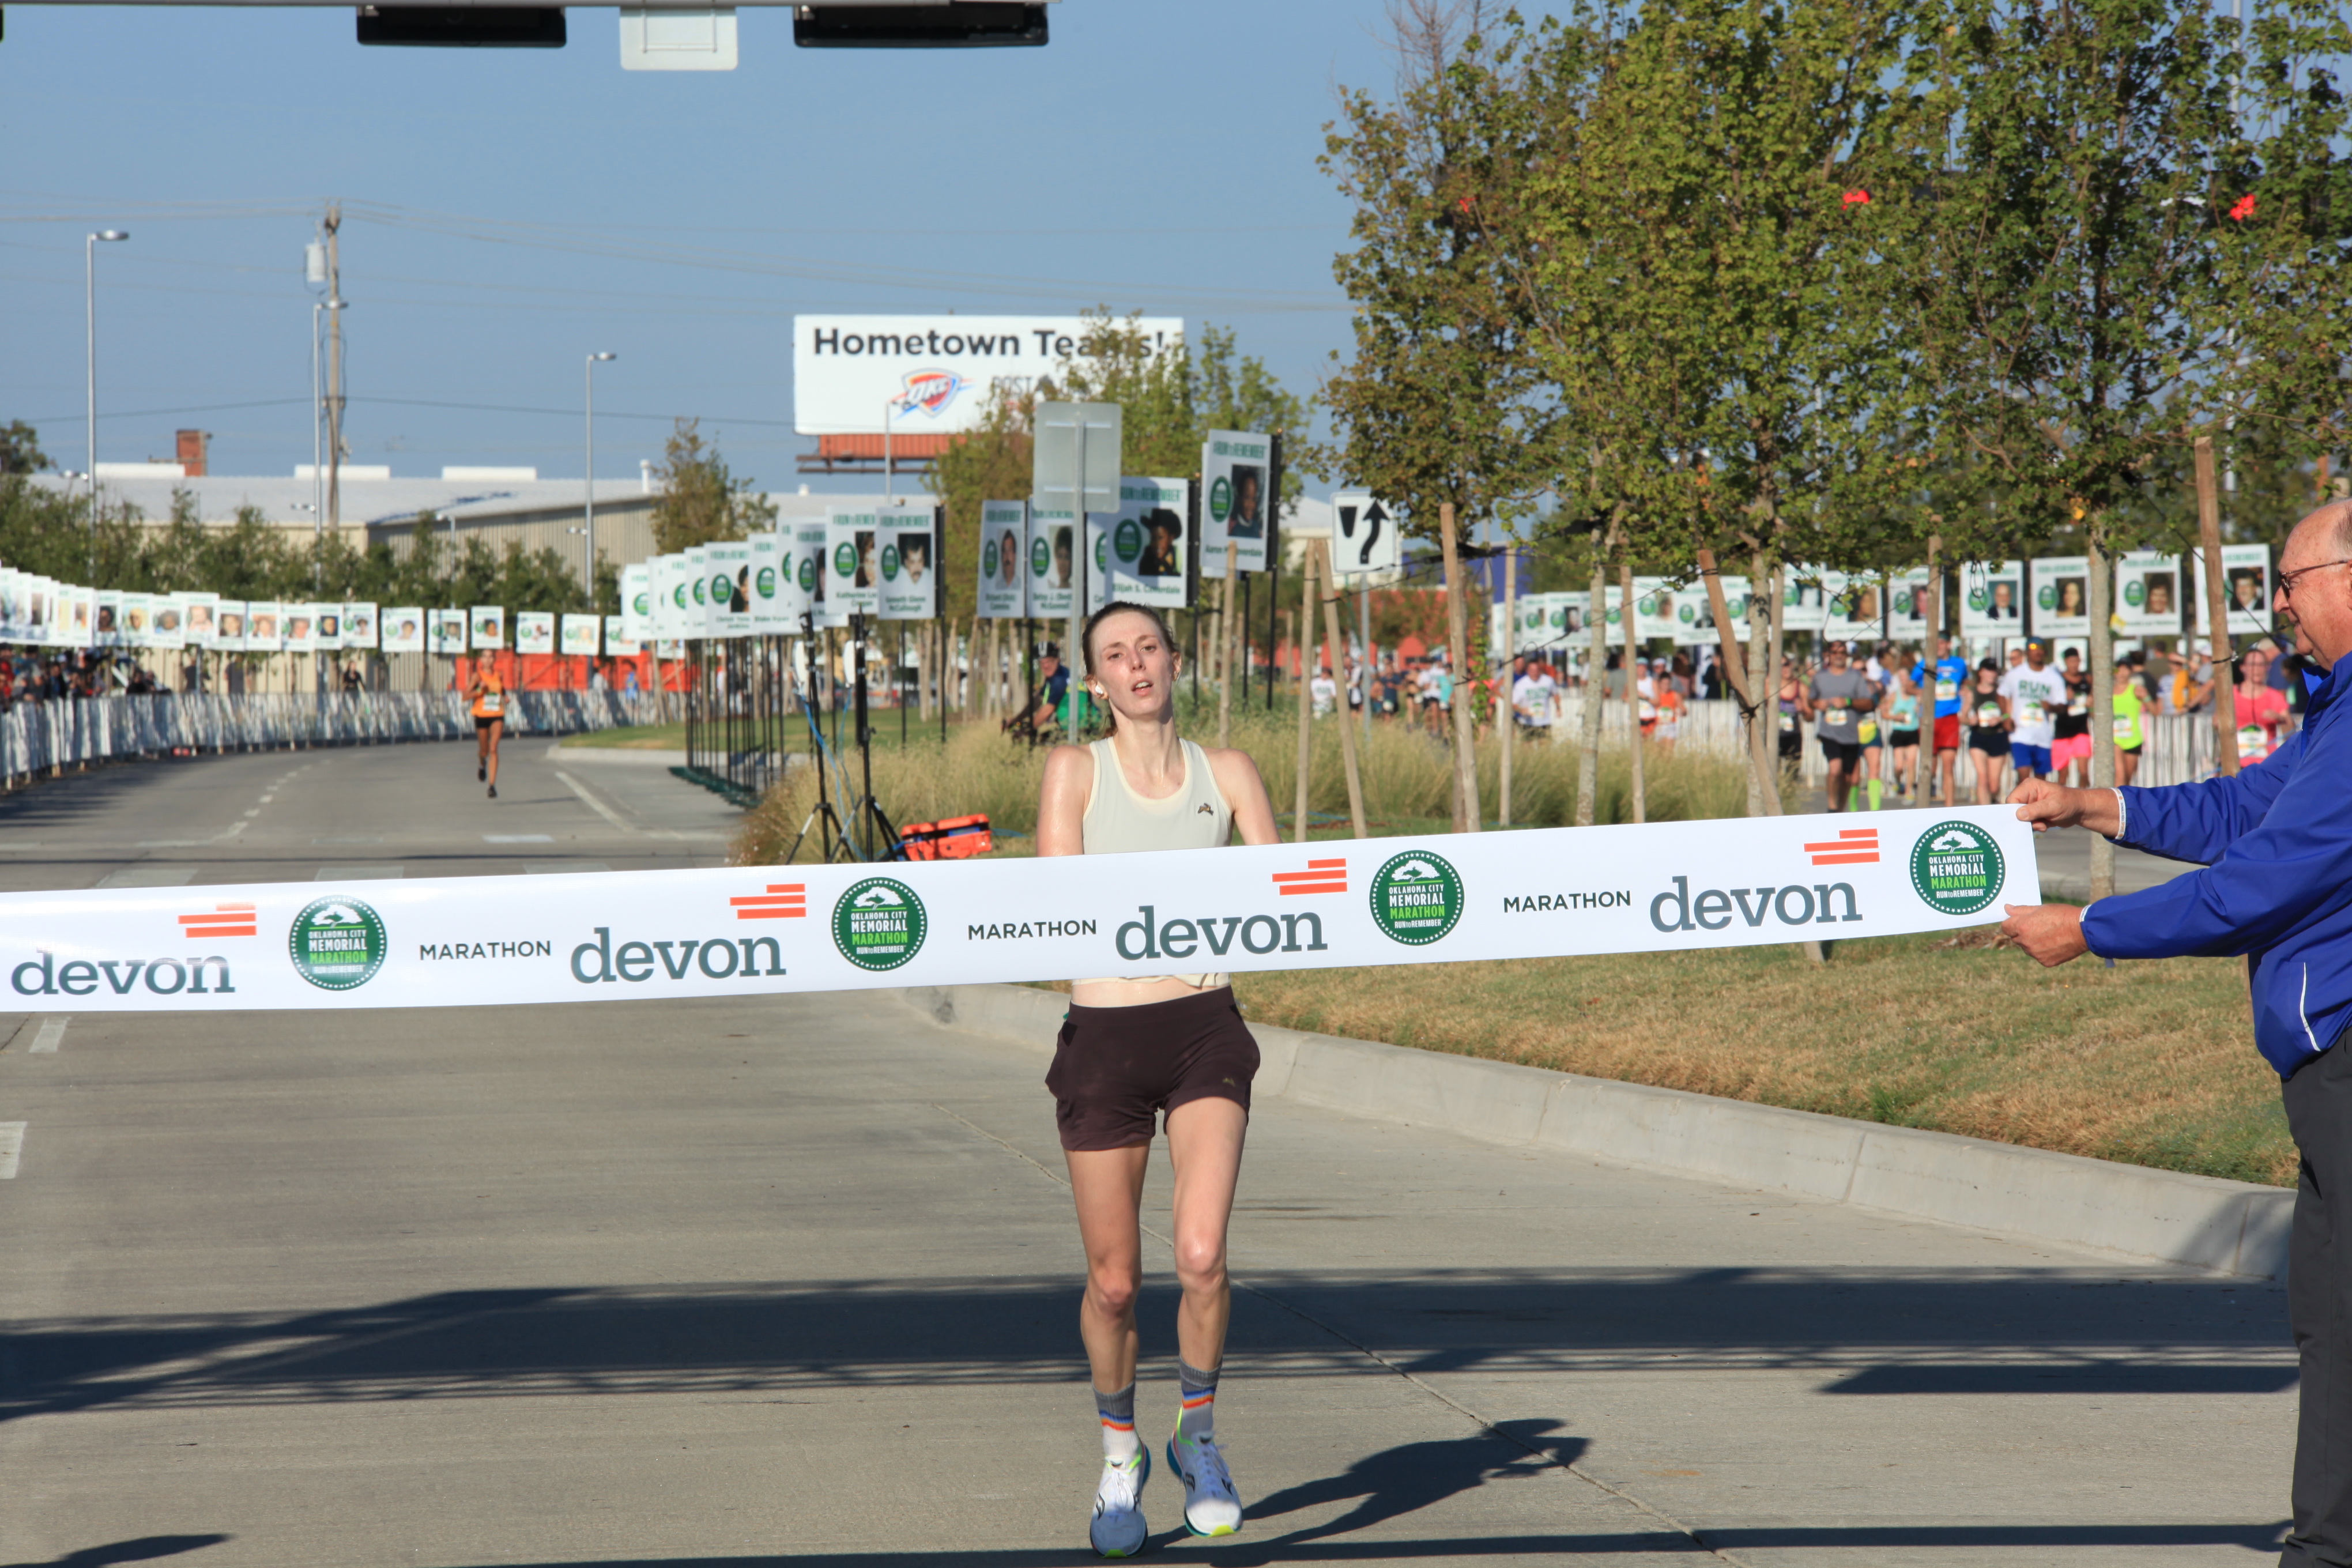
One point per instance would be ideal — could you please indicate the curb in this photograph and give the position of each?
(640, 757)
(2228, 1227)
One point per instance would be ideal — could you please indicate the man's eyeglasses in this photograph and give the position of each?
(2287, 579)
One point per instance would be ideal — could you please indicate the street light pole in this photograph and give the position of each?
(589, 569)
(90, 305)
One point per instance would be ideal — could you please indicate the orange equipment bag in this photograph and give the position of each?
(950, 839)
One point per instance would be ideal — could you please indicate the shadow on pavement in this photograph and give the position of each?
(1881, 1332)
(146, 1548)
(1413, 1475)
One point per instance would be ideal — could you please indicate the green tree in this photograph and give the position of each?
(2126, 225)
(20, 449)
(700, 498)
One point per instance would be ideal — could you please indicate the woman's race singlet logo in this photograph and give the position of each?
(1957, 869)
(879, 923)
(1416, 898)
(338, 944)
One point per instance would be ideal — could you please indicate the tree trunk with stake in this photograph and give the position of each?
(1465, 759)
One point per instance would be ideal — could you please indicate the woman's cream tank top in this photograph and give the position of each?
(1118, 821)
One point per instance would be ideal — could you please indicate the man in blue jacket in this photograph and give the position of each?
(2276, 845)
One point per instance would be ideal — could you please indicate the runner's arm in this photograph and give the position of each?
(1253, 813)
(1062, 801)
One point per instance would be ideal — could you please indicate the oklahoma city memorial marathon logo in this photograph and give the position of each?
(879, 923)
(1417, 898)
(338, 943)
(1957, 869)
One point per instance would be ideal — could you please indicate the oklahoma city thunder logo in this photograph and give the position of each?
(930, 391)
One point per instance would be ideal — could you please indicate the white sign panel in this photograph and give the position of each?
(403, 628)
(2060, 596)
(580, 636)
(360, 628)
(907, 558)
(1052, 563)
(1992, 599)
(265, 626)
(448, 632)
(1234, 504)
(928, 376)
(727, 566)
(1907, 619)
(1367, 534)
(534, 631)
(1139, 550)
(809, 538)
(637, 600)
(1804, 602)
(852, 560)
(327, 626)
(775, 602)
(1004, 586)
(489, 628)
(2148, 594)
(230, 638)
(618, 643)
(2246, 583)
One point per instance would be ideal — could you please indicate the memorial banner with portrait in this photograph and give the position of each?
(909, 558)
(1139, 551)
(1004, 593)
(1234, 504)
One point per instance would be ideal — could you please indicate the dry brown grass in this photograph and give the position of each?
(2151, 1063)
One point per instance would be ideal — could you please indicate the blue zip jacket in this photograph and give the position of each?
(2276, 846)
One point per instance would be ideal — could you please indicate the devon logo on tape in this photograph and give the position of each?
(879, 923)
(1957, 869)
(338, 943)
(1416, 898)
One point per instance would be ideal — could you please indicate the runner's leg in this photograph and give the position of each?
(495, 732)
(1107, 1186)
(1205, 1143)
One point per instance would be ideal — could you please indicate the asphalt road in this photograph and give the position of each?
(727, 1281)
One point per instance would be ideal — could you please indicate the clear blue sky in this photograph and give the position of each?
(508, 211)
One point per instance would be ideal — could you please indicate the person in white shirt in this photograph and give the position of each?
(1323, 691)
(2036, 695)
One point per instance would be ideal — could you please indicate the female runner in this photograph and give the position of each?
(489, 694)
(1137, 1044)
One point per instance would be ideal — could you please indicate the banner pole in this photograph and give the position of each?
(1306, 709)
(1320, 557)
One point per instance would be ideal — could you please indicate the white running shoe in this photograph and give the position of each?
(1118, 1528)
(1211, 1507)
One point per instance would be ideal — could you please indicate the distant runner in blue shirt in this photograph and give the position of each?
(2275, 842)
(1951, 681)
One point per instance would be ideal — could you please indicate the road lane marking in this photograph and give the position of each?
(598, 806)
(12, 1146)
(360, 874)
(53, 1032)
(150, 877)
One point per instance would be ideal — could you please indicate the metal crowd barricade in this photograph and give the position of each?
(37, 737)
(2178, 748)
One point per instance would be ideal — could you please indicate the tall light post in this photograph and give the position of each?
(318, 458)
(89, 303)
(588, 570)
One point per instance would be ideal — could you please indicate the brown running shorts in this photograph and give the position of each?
(1114, 1066)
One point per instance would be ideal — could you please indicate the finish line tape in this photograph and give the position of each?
(475, 942)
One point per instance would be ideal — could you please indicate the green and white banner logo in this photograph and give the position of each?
(988, 559)
(338, 943)
(808, 574)
(1127, 539)
(767, 582)
(879, 923)
(1221, 498)
(1957, 869)
(845, 560)
(1416, 898)
(889, 562)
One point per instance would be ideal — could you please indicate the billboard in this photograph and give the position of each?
(2148, 594)
(927, 375)
(1992, 599)
(853, 564)
(2059, 595)
(2246, 587)
(1235, 506)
